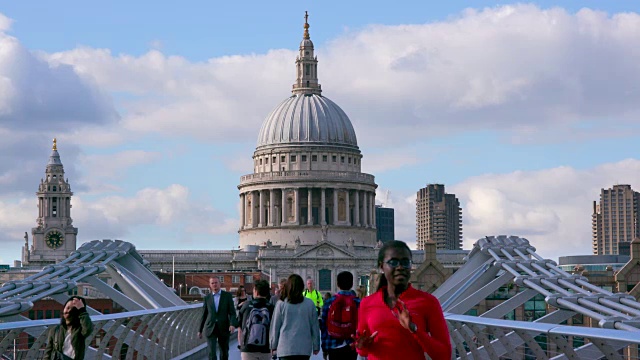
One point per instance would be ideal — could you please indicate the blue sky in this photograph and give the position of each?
(523, 110)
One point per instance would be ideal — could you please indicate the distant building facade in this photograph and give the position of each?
(615, 220)
(438, 218)
(385, 223)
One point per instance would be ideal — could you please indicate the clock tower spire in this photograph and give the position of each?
(54, 236)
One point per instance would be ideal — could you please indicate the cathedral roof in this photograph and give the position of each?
(307, 117)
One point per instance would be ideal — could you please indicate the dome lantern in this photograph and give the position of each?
(306, 65)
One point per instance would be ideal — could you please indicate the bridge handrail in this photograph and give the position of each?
(550, 329)
(95, 318)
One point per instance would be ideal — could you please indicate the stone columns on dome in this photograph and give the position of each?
(347, 209)
(335, 206)
(356, 209)
(365, 210)
(283, 205)
(323, 204)
(242, 211)
(261, 208)
(309, 204)
(373, 210)
(297, 206)
(272, 208)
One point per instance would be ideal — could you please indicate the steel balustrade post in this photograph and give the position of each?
(190, 331)
(484, 340)
(149, 332)
(464, 331)
(564, 346)
(8, 338)
(457, 340)
(532, 343)
(173, 332)
(155, 335)
(34, 351)
(124, 335)
(140, 326)
(104, 344)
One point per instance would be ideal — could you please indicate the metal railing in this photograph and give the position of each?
(163, 333)
(484, 338)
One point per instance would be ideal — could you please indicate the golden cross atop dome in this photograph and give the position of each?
(306, 25)
(55, 144)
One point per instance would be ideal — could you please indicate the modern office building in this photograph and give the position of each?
(438, 218)
(615, 220)
(385, 224)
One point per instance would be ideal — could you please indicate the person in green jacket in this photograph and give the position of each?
(313, 294)
(67, 340)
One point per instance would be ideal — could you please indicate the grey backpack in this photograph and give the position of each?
(257, 326)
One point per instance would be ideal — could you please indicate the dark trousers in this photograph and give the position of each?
(342, 353)
(295, 357)
(222, 340)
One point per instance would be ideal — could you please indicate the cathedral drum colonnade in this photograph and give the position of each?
(307, 182)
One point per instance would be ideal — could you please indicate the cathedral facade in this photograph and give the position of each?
(307, 183)
(307, 208)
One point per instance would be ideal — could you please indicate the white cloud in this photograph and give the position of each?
(100, 170)
(38, 95)
(168, 207)
(391, 159)
(5, 23)
(527, 71)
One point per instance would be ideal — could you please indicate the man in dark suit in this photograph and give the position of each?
(218, 319)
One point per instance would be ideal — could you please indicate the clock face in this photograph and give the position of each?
(54, 239)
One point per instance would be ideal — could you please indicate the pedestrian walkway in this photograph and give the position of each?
(234, 353)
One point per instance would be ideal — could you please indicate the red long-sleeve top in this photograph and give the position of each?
(393, 340)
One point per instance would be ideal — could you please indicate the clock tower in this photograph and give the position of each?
(54, 237)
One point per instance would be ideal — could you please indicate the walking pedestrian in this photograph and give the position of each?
(399, 319)
(255, 320)
(295, 332)
(339, 321)
(218, 319)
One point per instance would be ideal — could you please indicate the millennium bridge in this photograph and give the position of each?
(157, 324)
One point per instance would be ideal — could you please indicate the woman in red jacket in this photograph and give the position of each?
(398, 320)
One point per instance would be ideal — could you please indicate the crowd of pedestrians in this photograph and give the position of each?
(397, 320)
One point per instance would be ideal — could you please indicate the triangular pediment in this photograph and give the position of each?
(327, 250)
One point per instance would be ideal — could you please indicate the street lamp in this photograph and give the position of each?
(180, 290)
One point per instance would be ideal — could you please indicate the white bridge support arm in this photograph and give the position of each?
(497, 261)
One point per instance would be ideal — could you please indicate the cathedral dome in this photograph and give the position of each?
(307, 118)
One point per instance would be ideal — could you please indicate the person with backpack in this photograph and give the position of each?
(254, 317)
(311, 293)
(339, 321)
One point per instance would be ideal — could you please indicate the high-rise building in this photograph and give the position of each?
(438, 218)
(385, 223)
(615, 220)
